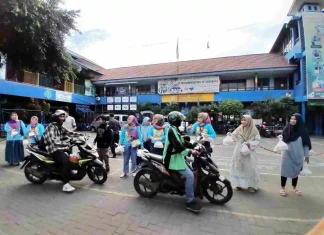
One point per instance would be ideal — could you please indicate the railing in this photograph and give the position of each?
(68, 87)
(45, 81)
(289, 47)
(30, 78)
(79, 89)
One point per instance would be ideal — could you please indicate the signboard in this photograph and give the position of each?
(314, 48)
(125, 99)
(117, 99)
(122, 90)
(110, 107)
(90, 90)
(125, 107)
(63, 96)
(133, 99)
(188, 98)
(208, 84)
(117, 107)
(110, 100)
(133, 107)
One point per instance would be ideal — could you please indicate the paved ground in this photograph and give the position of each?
(115, 208)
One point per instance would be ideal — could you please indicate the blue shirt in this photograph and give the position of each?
(18, 136)
(125, 135)
(39, 131)
(206, 129)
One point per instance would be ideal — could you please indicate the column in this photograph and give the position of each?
(303, 110)
(256, 82)
(104, 91)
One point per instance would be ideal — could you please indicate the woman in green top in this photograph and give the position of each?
(175, 151)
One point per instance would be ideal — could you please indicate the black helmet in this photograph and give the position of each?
(175, 118)
(56, 116)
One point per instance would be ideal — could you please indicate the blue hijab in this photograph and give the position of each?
(145, 129)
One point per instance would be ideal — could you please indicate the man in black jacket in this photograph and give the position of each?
(115, 126)
(103, 139)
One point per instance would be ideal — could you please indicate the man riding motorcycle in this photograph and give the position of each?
(53, 142)
(175, 151)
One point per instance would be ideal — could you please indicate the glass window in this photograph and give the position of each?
(224, 87)
(125, 118)
(117, 118)
(232, 86)
(309, 8)
(145, 89)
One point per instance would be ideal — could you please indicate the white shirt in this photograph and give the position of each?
(69, 123)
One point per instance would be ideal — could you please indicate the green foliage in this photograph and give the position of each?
(231, 107)
(169, 108)
(156, 109)
(192, 115)
(32, 35)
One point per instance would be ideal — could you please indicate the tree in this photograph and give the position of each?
(149, 107)
(192, 115)
(32, 34)
(231, 107)
(288, 107)
(169, 108)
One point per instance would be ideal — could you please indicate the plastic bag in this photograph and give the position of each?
(228, 140)
(25, 142)
(158, 144)
(119, 149)
(281, 146)
(245, 149)
(31, 134)
(305, 171)
(14, 133)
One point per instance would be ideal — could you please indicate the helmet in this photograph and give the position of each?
(175, 118)
(264, 123)
(56, 116)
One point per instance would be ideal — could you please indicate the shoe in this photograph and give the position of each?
(194, 206)
(68, 188)
(124, 175)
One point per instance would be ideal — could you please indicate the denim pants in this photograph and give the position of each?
(188, 174)
(129, 153)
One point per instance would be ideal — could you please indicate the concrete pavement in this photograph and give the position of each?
(115, 208)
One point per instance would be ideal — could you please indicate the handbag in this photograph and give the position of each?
(135, 143)
(245, 150)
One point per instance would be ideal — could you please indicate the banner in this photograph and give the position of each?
(313, 23)
(63, 96)
(208, 84)
(188, 98)
(90, 89)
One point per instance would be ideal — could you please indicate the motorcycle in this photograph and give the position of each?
(155, 178)
(39, 166)
(265, 133)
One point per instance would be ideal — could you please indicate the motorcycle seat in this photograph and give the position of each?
(155, 157)
(36, 150)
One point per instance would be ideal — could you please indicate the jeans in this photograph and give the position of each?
(188, 174)
(129, 153)
(62, 160)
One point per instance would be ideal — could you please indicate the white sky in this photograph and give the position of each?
(126, 32)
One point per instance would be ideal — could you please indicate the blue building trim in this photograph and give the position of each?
(24, 90)
(127, 80)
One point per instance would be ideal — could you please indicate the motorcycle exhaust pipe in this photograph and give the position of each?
(153, 186)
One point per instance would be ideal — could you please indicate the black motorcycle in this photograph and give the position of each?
(39, 166)
(154, 178)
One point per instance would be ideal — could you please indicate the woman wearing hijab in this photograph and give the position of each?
(244, 168)
(34, 131)
(14, 153)
(131, 138)
(203, 127)
(145, 128)
(158, 132)
(295, 135)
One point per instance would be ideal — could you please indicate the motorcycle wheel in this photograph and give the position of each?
(217, 188)
(97, 174)
(149, 176)
(32, 178)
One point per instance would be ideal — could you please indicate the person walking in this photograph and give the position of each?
(103, 140)
(115, 126)
(295, 135)
(131, 138)
(34, 131)
(15, 128)
(69, 122)
(157, 133)
(244, 168)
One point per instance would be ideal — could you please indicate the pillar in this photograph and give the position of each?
(303, 110)
(256, 82)
(104, 94)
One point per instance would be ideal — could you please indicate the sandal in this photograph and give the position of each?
(252, 190)
(298, 193)
(283, 193)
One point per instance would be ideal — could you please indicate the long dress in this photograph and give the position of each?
(244, 168)
(292, 160)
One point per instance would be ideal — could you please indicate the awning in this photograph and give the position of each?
(84, 110)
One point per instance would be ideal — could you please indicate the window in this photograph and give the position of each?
(124, 118)
(117, 118)
(315, 8)
(309, 8)
(233, 85)
(263, 84)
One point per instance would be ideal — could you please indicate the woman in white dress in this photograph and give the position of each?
(244, 168)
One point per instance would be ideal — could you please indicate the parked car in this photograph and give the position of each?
(122, 118)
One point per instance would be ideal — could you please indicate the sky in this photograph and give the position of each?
(127, 33)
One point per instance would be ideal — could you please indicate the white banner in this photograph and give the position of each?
(125, 107)
(110, 107)
(208, 84)
(125, 99)
(117, 107)
(110, 100)
(133, 107)
(133, 99)
(63, 96)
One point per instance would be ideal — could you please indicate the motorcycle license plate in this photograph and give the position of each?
(222, 178)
